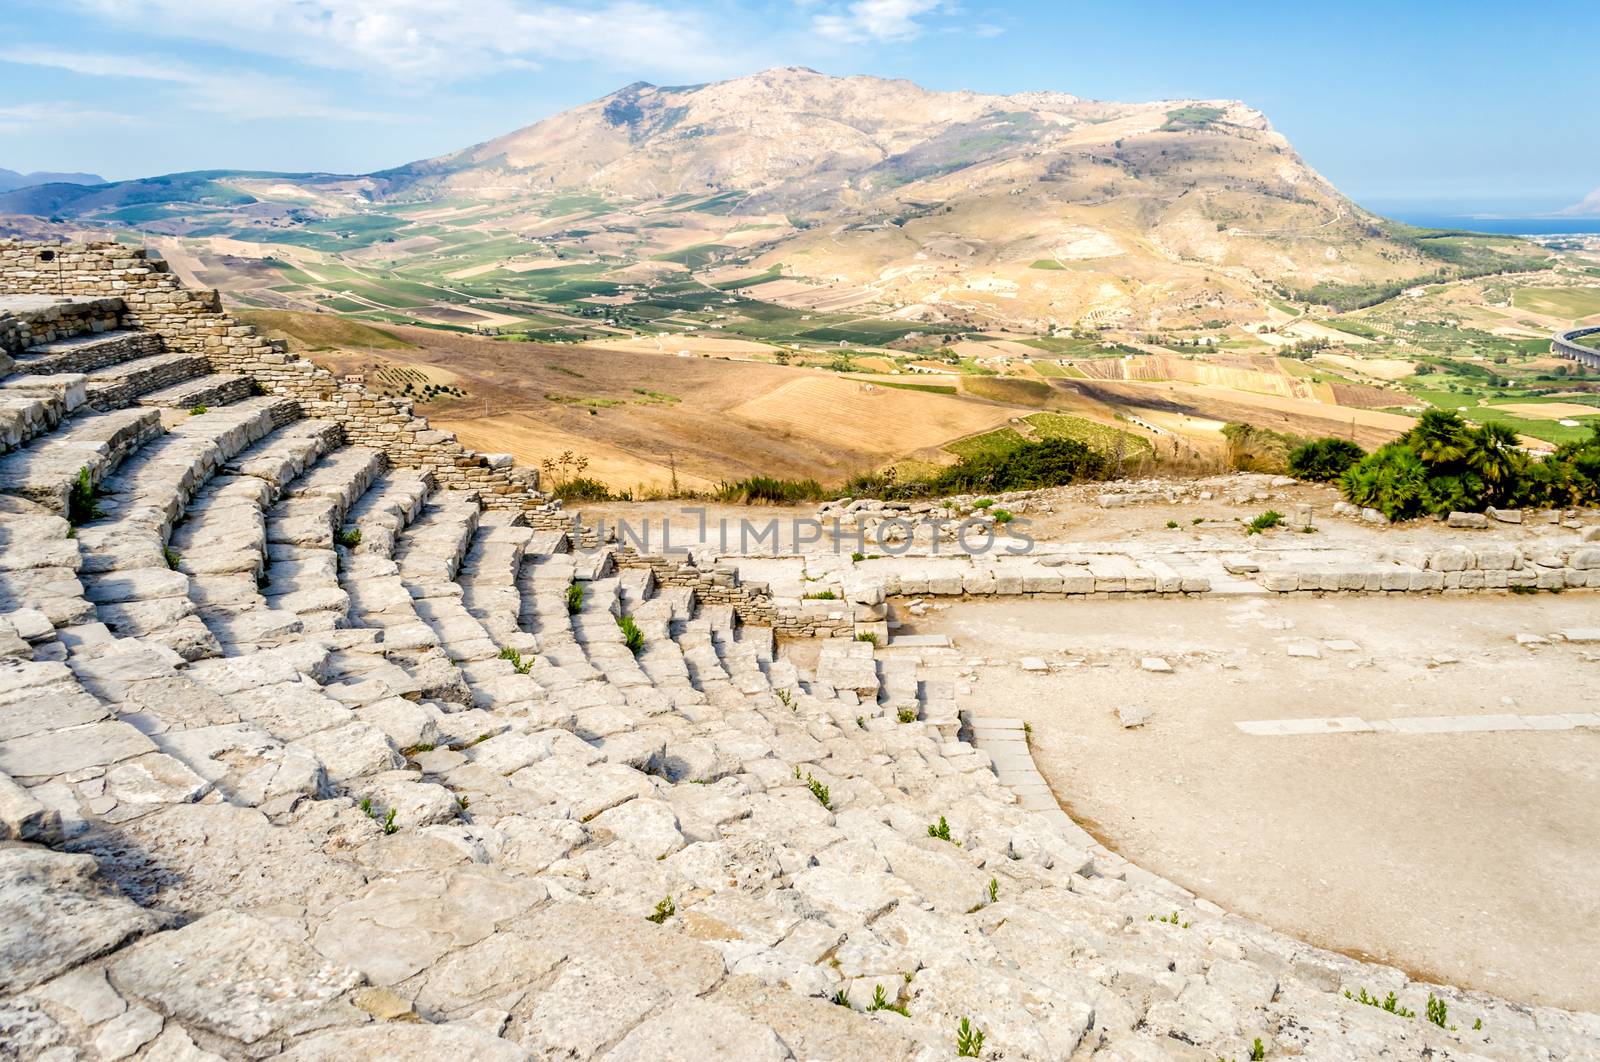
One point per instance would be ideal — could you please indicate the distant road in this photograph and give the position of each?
(1567, 345)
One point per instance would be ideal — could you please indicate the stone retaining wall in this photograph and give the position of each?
(154, 299)
(22, 325)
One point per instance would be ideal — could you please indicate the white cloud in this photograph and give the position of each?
(432, 41)
(236, 93)
(22, 117)
(1587, 207)
(875, 20)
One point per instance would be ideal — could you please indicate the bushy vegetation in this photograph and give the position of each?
(1324, 460)
(1029, 465)
(770, 490)
(81, 499)
(1446, 465)
(582, 488)
(1253, 449)
(632, 636)
(1265, 522)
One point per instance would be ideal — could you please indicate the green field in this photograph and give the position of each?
(1570, 303)
(1039, 426)
(1100, 436)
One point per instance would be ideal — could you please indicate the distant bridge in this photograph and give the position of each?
(1575, 344)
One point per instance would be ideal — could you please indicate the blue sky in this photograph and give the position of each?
(1463, 104)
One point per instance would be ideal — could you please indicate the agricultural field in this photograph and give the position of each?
(682, 280)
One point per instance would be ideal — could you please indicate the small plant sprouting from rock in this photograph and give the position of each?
(1439, 1012)
(575, 598)
(1269, 519)
(1172, 525)
(1197, 521)
(969, 1040)
(857, 558)
(389, 824)
(940, 830)
(523, 667)
(840, 999)
(819, 791)
(1027, 734)
(785, 698)
(664, 910)
(994, 890)
(907, 715)
(172, 557)
(1258, 1050)
(632, 636)
(1477, 1025)
(1171, 920)
(880, 1001)
(196, 411)
(1001, 516)
(861, 722)
(1388, 1003)
(81, 507)
(823, 595)
(867, 636)
(350, 537)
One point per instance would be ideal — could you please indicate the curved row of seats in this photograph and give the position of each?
(361, 771)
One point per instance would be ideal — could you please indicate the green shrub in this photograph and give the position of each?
(1258, 1051)
(582, 488)
(940, 830)
(172, 557)
(1438, 1011)
(195, 411)
(350, 537)
(1269, 519)
(81, 507)
(819, 791)
(857, 558)
(907, 715)
(665, 909)
(823, 595)
(1001, 516)
(1029, 466)
(575, 598)
(1444, 464)
(632, 636)
(1324, 460)
(867, 636)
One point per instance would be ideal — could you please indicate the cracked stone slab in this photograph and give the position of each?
(238, 976)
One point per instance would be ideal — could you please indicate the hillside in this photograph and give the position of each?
(1033, 211)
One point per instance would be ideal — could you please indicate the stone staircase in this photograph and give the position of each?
(302, 756)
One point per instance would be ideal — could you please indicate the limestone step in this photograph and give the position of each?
(86, 353)
(212, 389)
(46, 469)
(116, 385)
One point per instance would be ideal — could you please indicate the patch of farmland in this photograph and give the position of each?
(868, 417)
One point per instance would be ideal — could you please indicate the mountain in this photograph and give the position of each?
(1033, 210)
(11, 179)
